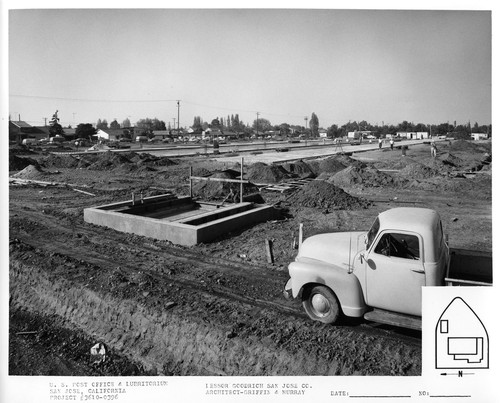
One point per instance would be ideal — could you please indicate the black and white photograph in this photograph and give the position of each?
(224, 203)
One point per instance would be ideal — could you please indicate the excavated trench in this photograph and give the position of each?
(205, 333)
(161, 340)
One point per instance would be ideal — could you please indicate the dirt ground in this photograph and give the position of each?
(217, 308)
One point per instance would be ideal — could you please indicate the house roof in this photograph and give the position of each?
(20, 123)
(112, 132)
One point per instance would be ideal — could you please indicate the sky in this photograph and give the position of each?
(382, 66)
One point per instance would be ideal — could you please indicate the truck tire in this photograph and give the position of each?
(321, 304)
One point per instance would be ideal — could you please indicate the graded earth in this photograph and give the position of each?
(214, 308)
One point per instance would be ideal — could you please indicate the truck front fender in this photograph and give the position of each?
(309, 272)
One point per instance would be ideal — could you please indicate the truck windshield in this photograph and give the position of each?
(372, 233)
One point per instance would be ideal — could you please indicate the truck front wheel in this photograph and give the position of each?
(321, 304)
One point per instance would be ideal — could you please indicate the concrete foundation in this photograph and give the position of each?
(179, 220)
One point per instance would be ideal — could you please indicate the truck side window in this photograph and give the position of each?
(399, 245)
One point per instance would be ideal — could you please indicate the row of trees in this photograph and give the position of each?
(261, 125)
(146, 124)
(460, 130)
(230, 123)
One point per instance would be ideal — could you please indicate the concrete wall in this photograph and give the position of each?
(179, 232)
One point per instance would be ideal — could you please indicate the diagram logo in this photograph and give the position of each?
(461, 338)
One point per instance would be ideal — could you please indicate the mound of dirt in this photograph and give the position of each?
(325, 195)
(333, 164)
(33, 172)
(356, 175)
(132, 156)
(152, 160)
(299, 168)
(466, 145)
(60, 161)
(451, 160)
(18, 163)
(394, 164)
(263, 173)
(201, 171)
(20, 149)
(215, 190)
(109, 161)
(416, 170)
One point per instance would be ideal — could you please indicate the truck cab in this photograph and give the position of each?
(384, 268)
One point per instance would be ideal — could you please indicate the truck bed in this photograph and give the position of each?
(468, 267)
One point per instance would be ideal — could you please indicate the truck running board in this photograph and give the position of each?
(394, 319)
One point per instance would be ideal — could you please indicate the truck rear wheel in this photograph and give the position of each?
(321, 304)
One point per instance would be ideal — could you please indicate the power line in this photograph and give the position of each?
(94, 100)
(242, 110)
(151, 101)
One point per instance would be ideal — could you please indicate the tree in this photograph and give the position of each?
(197, 124)
(215, 123)
(126, 123)
(55, 128)
(114, 125)
(159, 124)
(442, 129)
(333, 132)
(261, 125)
(314, 125)
(148, 125)
(462, 132)
(284, 129)
(103, 125)
(236, 125)
(420, 127)
(85, 131)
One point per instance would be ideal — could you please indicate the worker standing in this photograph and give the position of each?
(379, 143)
(433, 149)
(392, 143)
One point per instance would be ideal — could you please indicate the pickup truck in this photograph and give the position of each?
(379, 274)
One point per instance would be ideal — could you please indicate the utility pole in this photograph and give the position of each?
(257, 125)
(178, 120)
(45, 121)
(305, 124)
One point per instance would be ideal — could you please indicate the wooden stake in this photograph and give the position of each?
(190, 182)
(269, 251)
(301, 225)
(82, 191)
(241, 183)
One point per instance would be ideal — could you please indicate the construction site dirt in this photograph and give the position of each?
(215, 308)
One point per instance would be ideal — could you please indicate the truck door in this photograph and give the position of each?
(395, 273)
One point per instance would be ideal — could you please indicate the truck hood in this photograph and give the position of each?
(333, 248)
